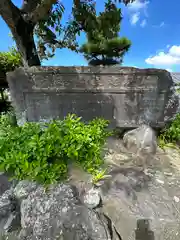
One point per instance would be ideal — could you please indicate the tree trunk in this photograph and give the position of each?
(23, 35)
(22, 30)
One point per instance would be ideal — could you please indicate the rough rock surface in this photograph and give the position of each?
(137, 200)
(58, 214)
(92, 198)
(9, 212)
(23, 189)
(135, 204)
(132, 196)
(142, 142)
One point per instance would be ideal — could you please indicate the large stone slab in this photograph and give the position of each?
(125, 96)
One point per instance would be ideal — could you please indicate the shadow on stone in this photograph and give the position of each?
(5, 184)
(143, 231)
(126, 181)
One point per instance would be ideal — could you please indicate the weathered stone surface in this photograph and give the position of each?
(24, 188)
(9, 212)
(58, 214)
(133, 197)
(143, 205)
(142, 142)
(5, 204)
(126, 96)
(13, 222)
(135, 204)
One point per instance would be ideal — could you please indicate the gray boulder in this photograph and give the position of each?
(58, 214)
(142, 142)
(92, 198)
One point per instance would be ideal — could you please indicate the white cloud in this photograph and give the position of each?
(169, 58)
(175, 51)
(136, 8)
(162, 59)
(135, 18)
(161, 24)
(138, 5)
(143, 23)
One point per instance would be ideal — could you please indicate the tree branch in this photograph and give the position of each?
(29, 5)
(126, 2)
(41, 11)
(9, 12)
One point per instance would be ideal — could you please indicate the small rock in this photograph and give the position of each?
(92, 198)
(148, 172)
(168, 174)
(111, 151)
(176, 199)
(160, 181)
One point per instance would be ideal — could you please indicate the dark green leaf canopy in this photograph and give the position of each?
(52, 34)
(43, 18)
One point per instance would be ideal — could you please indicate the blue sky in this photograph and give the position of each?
(153, 26)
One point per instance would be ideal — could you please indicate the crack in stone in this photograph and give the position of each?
(111, 231)
(109, 225)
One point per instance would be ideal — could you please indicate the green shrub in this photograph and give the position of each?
(10, 60)
(42, 153)
(171, 134)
